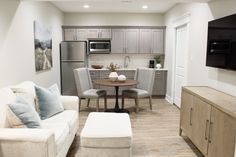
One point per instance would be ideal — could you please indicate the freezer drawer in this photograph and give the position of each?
(68, 85)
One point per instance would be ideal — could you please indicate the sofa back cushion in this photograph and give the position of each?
(6, 97)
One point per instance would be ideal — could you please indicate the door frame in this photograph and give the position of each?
(181, 21)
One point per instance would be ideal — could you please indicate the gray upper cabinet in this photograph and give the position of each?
(99, 33)
(151, 41)
(131, 40)
(145, 41)
(105, 33)
(81, 34)
(117, 42)
(75, 34)
(125, 40)
(69, 34)
(157, 41)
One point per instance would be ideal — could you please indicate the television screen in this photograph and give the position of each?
(221, 43)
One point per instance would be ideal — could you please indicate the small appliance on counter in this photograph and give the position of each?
(152, 63)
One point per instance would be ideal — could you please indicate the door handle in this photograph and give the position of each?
(207, 123)
(190, 120)
(210, 132)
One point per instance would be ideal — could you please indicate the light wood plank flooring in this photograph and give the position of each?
(155, 133)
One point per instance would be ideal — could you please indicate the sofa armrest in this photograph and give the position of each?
(70, 102)
(27, 143)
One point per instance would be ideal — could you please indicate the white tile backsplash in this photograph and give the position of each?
(136, 60)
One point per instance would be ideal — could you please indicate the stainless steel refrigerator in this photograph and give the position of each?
(73, 55)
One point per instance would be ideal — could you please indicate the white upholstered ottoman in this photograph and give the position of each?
(106, 135)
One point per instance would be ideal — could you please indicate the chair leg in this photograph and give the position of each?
(80, 100)
(137, 104)
(123, 102)
(150, 102)
(97, 105)
(88, 102)
(105, 101)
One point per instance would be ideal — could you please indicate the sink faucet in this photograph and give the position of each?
(125, 61)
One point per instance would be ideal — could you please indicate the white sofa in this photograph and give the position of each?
(53, 140)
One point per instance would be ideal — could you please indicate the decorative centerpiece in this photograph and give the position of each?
(121, 78)
(159, 61)
(113, 74)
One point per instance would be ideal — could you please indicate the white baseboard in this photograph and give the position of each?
(169, 99)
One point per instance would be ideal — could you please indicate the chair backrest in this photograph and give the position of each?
(145, 77)
(82, 80)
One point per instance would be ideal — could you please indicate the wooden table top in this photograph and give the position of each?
(108, 82)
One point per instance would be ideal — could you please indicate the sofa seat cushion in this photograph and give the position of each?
(67, 116)
(61, 132)
(107, 130)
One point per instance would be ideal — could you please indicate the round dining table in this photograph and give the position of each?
(116, 84)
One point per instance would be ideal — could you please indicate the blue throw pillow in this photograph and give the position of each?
(22, 115)
(49, 101)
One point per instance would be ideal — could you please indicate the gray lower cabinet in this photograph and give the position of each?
(159, 87)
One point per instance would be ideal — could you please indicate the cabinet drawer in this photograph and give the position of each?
(159, 87)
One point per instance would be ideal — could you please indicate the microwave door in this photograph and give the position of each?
(99, 46)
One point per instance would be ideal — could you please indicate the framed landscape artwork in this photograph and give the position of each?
(43, 47)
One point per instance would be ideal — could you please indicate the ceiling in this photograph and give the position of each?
(121, 6)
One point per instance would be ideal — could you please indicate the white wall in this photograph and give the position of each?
(17, 62)
(123, 19)
(197, 72)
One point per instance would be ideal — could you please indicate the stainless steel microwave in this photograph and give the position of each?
(99, 46)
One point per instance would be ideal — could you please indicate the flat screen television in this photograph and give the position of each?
(221, 43)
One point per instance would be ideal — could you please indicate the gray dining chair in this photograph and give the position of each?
(145, 77)
(85, 88)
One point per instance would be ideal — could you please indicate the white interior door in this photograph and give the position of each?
(180, 62)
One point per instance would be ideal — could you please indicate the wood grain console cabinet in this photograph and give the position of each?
(208, 119)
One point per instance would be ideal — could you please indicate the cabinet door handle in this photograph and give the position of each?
(207, 123)
(190, 120)
(210, 132)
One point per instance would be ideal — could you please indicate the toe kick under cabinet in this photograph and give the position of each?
(208, 119)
